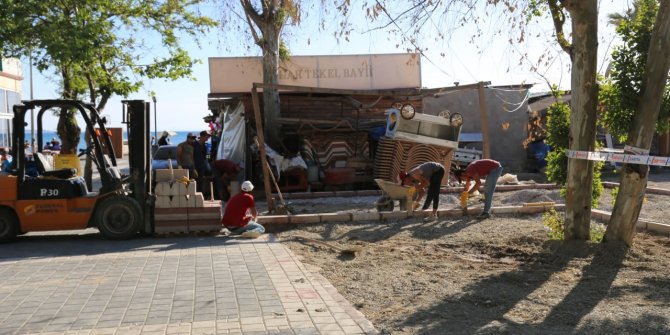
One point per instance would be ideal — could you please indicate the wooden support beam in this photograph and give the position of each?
(484, 121)
(261, 147)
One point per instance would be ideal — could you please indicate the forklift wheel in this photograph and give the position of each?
(385, 204)
(8, 225)
(118, 217)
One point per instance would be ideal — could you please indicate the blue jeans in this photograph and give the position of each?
(251, 226)
(490, 187)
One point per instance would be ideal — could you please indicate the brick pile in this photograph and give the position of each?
(179, 208)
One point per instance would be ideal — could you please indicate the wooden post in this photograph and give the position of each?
(484, 122)
(261, 147)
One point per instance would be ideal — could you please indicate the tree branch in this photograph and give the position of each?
(558, 17)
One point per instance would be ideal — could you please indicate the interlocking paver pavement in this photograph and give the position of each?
(83, 284)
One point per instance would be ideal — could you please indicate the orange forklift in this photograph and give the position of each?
(59, 199)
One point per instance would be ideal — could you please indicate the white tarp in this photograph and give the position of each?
(233, 136)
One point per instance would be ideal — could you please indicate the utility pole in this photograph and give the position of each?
(153, 98)
(32, 111)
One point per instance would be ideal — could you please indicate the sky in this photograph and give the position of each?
(181, 104)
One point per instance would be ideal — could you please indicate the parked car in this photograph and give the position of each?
(162, 157)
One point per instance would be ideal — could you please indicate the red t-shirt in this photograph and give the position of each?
(481, 167)
(225, 166)
(236, 210)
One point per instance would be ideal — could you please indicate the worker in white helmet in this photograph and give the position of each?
(240, 214)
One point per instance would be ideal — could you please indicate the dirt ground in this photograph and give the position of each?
(498, 276)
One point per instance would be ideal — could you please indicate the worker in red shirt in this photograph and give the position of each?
(240, 214)
(224, 171)
(482, 168)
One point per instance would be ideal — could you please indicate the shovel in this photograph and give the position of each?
(282, 209)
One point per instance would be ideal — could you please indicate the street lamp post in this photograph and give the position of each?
(155, 119)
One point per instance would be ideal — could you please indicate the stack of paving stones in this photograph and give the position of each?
(179, 208)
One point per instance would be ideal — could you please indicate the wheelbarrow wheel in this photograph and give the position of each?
(385, 204)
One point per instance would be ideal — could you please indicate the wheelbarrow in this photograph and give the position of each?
(392, 191)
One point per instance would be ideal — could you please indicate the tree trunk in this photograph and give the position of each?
(67, 127)
(271, 76)
(68, 131)
(634, 177)
(584, 15)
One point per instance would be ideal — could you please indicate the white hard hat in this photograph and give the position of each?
(247, 186)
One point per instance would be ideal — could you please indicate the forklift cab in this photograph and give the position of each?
(53, 183)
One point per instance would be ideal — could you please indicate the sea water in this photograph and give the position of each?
(48, 135)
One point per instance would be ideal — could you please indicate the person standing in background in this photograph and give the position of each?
(482, 168)
(185, 156)
(200, 160)
(223, 172)
(164, 139)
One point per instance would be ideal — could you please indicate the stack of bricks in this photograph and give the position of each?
(179, 208)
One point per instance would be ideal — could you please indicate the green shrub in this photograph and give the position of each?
(555, 222)
(558, 133)
(597, 232)
(614, 193)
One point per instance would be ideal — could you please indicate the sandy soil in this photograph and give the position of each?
(502, 275)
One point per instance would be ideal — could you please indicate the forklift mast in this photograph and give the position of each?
(136, 118)
(111, 180)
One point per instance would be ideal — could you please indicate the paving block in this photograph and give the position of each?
(186, 189)
(180, 201)
(335, 217)
(196, 200)
(169, 220)
(658, 227)
(209, 210)
(400, 215)
(272, 219)
(365, 193)
(345, 193)
(163, 201)
(365, 216)
(304, 218)
(170, 175)
(166, 188)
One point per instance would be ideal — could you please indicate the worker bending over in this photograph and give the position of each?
(482, 168)
(428, 175)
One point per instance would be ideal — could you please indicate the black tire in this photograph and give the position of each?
(385, 204)
(9, 225)
(118, 217)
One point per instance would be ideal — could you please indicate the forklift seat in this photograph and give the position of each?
(45, 168)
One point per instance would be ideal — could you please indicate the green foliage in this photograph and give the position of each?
(558, 135)
(597, 232)
(555, 223)
(620, 93)
(284, 52)
(102, 47)
(614, 193)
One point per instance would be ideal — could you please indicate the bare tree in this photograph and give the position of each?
(634, 176)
